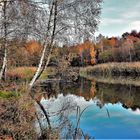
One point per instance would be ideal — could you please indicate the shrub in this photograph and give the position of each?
(105, 56)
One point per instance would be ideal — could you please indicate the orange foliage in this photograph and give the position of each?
(107, 43)
(33, 47)
(113, 42)
(86, 46)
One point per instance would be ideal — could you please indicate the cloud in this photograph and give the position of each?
(135, 25)
(119, 16)
(109, 21)
(110, 9)
(130, 14)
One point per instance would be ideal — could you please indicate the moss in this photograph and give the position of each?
(9, 94)
(44, 75)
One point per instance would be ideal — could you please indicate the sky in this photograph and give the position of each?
(119, 16)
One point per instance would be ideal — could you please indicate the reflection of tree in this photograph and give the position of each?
(93, 89)
(106, 93)
(130, 101)
(82, 87)
(127, 95)
(66, 120)
(69, 129)
(87, 89)
(68, 113)
(46, 90)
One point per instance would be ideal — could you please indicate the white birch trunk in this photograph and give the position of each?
(49, 57)
(4, 65)
(39, 67)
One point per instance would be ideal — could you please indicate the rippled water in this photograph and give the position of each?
(91, 109)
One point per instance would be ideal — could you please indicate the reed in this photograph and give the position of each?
(111, 69)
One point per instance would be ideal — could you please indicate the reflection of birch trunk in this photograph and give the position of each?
(39, 122)
(4, 65)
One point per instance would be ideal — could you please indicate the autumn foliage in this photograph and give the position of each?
(124, 49)
(33, 47)
(104, 49)
(24, 53)
(85, 52)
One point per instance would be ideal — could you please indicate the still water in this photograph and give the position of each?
(91, 109)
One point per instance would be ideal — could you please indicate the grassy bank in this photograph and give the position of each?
(111, 69)
(26, 73)
(18, 79)
(17, 110)
(21, 73)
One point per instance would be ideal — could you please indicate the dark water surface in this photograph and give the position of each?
(91, 109)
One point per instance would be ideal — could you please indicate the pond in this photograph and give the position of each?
(92, 109)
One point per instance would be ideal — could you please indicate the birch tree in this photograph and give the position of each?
(64, 22)
(50, 21)
(16, 20)
(4, 32)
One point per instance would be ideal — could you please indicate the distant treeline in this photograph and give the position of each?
(102, 50)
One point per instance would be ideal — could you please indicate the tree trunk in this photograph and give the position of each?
(39, 67)
(4, 66)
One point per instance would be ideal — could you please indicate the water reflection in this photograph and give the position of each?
(106, 108)
(128, 95)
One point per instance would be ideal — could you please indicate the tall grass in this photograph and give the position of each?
(26, 73)
(109, 69)
(21, 73)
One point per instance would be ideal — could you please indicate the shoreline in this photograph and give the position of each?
(124, 73)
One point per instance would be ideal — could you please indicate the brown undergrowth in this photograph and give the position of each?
(16, 116)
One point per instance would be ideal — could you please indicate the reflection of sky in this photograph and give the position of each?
(137, 111)
(122, 123)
